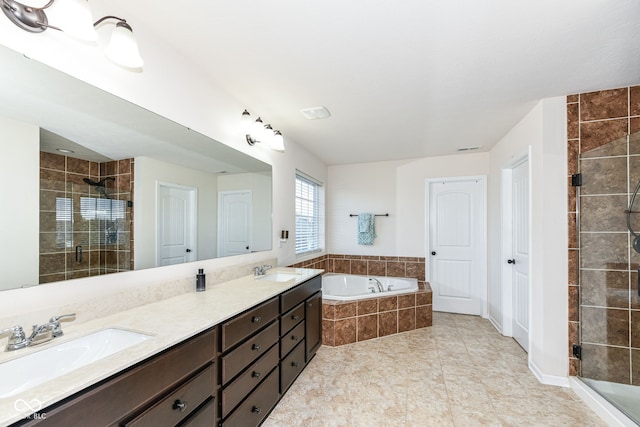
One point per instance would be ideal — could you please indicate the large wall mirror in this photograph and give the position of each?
(93, 184)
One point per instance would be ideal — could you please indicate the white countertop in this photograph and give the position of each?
(169, 321)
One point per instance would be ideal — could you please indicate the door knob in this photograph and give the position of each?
(188, 250)
(433, 253)
(511, 261)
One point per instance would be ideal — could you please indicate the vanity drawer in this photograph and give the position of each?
(291, 339)
(236, 360)
(207, 416)
(245, 324)
(256, 407)
(179, 404)
(291, 366)
(295, 296)
(238, 389)
(291, 319)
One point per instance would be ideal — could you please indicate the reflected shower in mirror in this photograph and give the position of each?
(105, 186)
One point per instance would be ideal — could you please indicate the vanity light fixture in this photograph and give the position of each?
(74, 17)
(257, 131)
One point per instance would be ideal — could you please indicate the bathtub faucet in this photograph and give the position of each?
(378, 284)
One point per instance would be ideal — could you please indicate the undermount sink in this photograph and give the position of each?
(279, 277)
(34, 369)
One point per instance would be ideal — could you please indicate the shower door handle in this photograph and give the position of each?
(79, 253)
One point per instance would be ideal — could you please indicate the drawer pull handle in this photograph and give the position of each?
(256, 347)
(256, 410)
(294, 337)
(295, 317)
(180, 405)
(255, 374)
(294, 364)
(256, 319)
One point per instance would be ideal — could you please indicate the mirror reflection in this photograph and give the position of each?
(115, 187)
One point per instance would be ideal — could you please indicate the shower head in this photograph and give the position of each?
(98, 183)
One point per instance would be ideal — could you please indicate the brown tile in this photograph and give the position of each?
(605, 363)
(376, 268)
(52, 180)
(48, 243)
(573, 147)
(328, 311)
(634, 100)
(602, 139)
(388, 303)
(415, 270)
(572, 98)
(634, 179)
(406, 301)
(94, 170)
(605, 104)
(108, 168)
(123, 183)
(346, 310)
(605, 326)
(406, 319)
(605, 288)
(602, 213)
(574, 303)
(368, 306)
(423, 298)
(573, 129)
(574, 337)
(52, 263)
(604, 176)
(635, 367)
(342, 266)
(573, 266)
(52, 161)
(571, 197)
(328, 332)
(424, 316)
(370, 257)
(603, 250)
(77, 166)
(367, 327)
(635, 298)
(124, 261)
(574, 366)
(359, 267)
(389, 258)
(345, 331)
(124, 166)
(573, 233)
(635, 329)
(50, 278)
(387, 323)
(396, 269)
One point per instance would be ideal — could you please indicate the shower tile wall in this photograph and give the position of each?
(106, 245)
(604, 307)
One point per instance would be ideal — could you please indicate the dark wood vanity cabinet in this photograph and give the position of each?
(177, 386)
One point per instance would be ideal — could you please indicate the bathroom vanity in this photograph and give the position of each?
(231, 371)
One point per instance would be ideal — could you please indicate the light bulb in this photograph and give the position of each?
(123, 48)
(277, 142)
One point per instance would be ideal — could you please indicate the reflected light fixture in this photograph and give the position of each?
(74, 18)
(257, 131)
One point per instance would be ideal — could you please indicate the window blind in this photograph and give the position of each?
(307, 215)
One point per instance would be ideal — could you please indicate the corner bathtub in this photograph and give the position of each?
(350, 287)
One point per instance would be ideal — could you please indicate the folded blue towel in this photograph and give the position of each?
(366, 228)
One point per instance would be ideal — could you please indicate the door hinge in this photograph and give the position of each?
(576, 180)
(577, 351)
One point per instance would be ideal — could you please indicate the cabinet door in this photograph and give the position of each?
(313, 324)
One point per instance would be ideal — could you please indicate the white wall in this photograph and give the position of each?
(261, 203)
(19, 203)
(148, 173)
(542, 133)
(397, 188)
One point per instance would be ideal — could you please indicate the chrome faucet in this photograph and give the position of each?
(261, 270)
(378, 284)
(40, 333)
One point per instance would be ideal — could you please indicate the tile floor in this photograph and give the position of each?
(459, 372)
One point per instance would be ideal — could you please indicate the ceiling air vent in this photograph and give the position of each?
(315, 113)
(476, 147)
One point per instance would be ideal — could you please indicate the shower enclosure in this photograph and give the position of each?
(85, 217)
(607, 221)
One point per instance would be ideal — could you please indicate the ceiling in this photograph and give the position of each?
(402, 79)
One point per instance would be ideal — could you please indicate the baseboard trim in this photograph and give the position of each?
(598, 404)
(548, 379)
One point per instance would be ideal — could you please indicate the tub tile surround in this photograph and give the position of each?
(604, 307)
(345, 322)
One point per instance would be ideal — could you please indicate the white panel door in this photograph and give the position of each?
(520, 260)
(176, 224)
(234, 225)
(456, 245)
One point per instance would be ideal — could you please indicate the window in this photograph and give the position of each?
(308, 220)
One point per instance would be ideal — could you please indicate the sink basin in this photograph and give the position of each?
(36, 368)
(279, 277)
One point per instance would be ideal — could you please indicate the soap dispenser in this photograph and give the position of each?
(200, 281)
